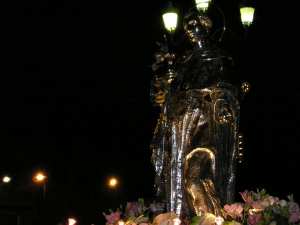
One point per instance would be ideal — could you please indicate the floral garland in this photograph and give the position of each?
(262, 209)
(135, 213)
(258, 209)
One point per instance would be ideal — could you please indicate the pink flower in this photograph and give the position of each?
(156, 207)
(294, 217)
(113, 217)
(253, 219)
(245, 195)
(258, 206)
(134, 209)
(234, 210)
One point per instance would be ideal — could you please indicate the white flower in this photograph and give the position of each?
(282, 202)
(266, 203)
(271, 200)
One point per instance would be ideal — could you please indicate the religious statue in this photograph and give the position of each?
(195, 141)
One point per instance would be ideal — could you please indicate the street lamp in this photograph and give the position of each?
(202, 5)
(6, 179)
(40, 178)
(72, 221)
(112, 182)
(170, 18)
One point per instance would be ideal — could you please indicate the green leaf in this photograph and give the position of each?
(263, 192)
(140, 216)
(266, 195)
(104, 214)
(128, 220)
(267, 217)
(261, 222)
(196, 220)
(223, 211)
(111, 211)
(206, 219)
(281, 221)
(226, 222)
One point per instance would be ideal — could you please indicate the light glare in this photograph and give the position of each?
(170, 20)
(113, 182)
(72, 221)
(247, 15)
(6, 179)
(40, 177)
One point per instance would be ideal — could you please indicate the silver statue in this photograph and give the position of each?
(195, 141)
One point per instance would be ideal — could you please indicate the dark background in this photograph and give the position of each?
(75, 98)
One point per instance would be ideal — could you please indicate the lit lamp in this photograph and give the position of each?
(39, 177)
(113, 182)
(6, 179)
(71, 221)
(247, 15)
(170, 18)
(247, 12)
(202, 5)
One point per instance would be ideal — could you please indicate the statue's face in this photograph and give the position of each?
(193, 30)
(196, 26)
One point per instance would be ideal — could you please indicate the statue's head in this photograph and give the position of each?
(197, 26)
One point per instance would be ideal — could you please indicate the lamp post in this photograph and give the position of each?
(40, 179)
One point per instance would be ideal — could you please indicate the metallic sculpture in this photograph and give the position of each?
(195, 141)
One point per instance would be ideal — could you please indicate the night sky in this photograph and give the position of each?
(75, 97)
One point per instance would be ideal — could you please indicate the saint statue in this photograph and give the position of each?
(194, 147)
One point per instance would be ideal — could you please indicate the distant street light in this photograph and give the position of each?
(39, 177)
(113, 182)
(6, 179)
(72, 221)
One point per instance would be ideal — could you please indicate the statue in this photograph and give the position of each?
(194, 147)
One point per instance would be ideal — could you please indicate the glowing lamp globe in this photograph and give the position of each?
(202, 5)
(170, 20)
(247, 15)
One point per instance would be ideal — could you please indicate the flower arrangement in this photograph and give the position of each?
(258, 209)
(135, 213)
(261, 209)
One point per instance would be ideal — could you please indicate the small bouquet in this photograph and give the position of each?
(262, 209)
(135, 213)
